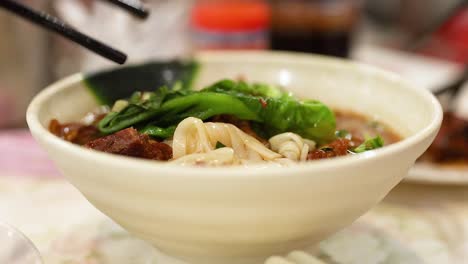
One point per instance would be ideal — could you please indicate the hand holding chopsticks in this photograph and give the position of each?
(54, 24)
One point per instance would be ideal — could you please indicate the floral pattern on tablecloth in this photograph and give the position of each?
(68, 230)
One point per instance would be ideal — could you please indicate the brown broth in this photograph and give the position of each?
(361, 127)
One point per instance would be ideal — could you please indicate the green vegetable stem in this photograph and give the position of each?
(370, 144)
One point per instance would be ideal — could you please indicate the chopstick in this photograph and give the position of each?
(135, 7)
(455, 87)
(54, 24)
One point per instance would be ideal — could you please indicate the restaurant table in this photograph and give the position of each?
(415, 224)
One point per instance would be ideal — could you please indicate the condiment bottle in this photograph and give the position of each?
(317, 26)
(231, 24)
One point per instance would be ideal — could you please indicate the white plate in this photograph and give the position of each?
(435, 174)
(426, 72)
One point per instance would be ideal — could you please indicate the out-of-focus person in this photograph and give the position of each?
(163, 35)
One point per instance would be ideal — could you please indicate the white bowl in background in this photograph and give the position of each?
(239, 215)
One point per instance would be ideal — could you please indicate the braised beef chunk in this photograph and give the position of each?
(156, 150)
(339, 147)
(129, 142)
(74, 132)
(451, 144)
(125, 142)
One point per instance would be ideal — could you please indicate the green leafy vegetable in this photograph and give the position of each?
(158, 132)
(370, 144)
(171, 112)
(273, 110)
(219, 145)
(343, 133)
(243, 88)
(279, 112)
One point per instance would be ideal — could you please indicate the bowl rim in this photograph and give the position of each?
(167, 169)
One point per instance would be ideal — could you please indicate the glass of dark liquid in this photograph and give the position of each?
(315, 26)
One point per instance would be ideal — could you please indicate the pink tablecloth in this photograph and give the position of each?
(20, 155)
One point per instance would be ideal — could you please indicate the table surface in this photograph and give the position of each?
(414, 224)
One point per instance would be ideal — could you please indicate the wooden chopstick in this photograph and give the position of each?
(135, 7)
(54, 24)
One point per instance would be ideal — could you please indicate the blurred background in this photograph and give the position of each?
(424, 40)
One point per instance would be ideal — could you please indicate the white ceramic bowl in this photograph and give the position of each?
(238, 215)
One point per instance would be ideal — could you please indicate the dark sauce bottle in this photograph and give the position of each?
(315, 26)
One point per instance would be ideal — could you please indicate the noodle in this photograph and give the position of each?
(217, 157)
(194, 136)
(291, 146)
(194, 142)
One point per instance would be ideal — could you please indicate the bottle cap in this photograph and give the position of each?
(231, 16)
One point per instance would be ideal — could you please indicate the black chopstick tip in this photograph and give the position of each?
(144, 14)
(121, 60)
(116, 56)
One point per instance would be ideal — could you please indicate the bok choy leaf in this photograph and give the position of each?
(270, 108)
